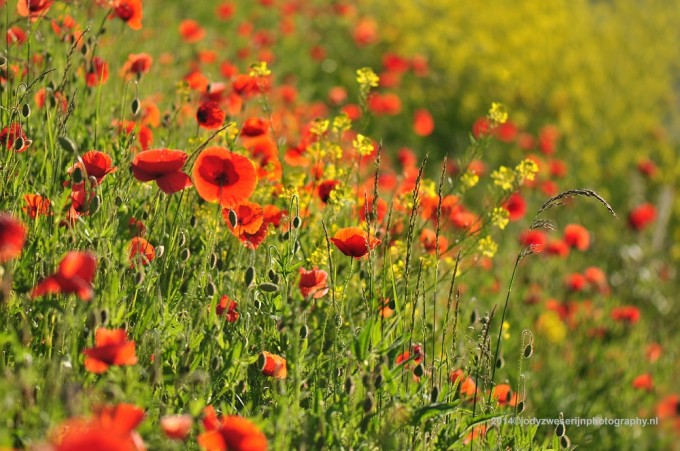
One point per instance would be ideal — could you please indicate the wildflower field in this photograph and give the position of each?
(309, 224)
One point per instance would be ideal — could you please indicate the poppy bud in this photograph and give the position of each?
(434, 394)
(77, 175)
(233, 219)
(473, 317)
(210, 289)
(182, 239)
(135, 107)
(258, 304)
(25, 110)
(118, 201)
(193, 221)
(95, 204)
(377, 382)
(159, 251)
(272, 276)
(185, 254)
(520, 407)
(366, 381)
(304, 332)
(500, 362)
(68, 144)
(18, 143)
(84, 49)
(419, 370)
(213, 260)
(349, 385)
(3, 61)
(268, 287)
(565, 442)
(368, 403)
(297, 222)
(560, 430)
(250, 276)
(528, 351)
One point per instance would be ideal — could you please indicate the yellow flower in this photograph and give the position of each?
(363, 145)
(551, 326)
(259, 69)
(367, 79)
(487, 246)
(505, 178)
(469, 179)
(499, 217)
(341, 123)
(498, 113)
(320, 126)
(526, 170)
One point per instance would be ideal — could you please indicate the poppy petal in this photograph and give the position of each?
(173, 182)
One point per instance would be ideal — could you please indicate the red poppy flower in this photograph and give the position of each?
(516, 206)
(112, 429)
(557, 247)
(11, 134)
(226, 304)
(627, 314)
(254, 126)
(313, 283)
(466, 385)
(324, 189)
(130, 12)
(503, 393)
(111, 348)
(230, 432)
(416, 355)
(97, 164)
(223, 176)
(576, 282)
(577, 236)
(366, 211)
(273, 365)
(16, 35)
(638, 219)
(274, 215)
(209, 115)
(177, 427)
(653, 352)
(191, 31)
(33, 8)
(36, 205)
(644, 382)
(354, 241)
(481, 127)
(506, 132)
(249, 218)
(137, 64)
(534, 238)
(163, 166)
(98, 72)
(12, 237)
(225, 10)
(141, 250)
(423, 123)
(264, 153)
(143, 133)
(668, 409)
(75, 275)
(428, 238)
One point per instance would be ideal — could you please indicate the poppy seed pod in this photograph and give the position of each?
(68, 144)
(268, 287)
(249, 276)
(135, 107)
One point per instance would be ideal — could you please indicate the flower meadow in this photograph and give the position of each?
(298, 224)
